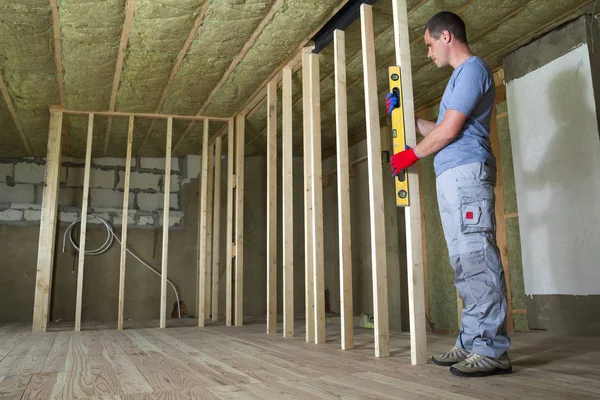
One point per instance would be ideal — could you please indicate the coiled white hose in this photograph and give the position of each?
(110, 236)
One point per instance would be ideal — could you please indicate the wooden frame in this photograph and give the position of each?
(124, 222)
(216, 232)
(318, 256)
(239, 222)
(203, 198)
(48, 221)
(309, 298)
(165, 238)
(271, 266)
(343, 192)
(142, 115)
(416, 283)
(229, 243)
(209, 229)
(13, 114)
(376, 204)
(129, 11)
(83, 229)
(288, 205)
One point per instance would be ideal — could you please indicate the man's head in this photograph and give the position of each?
(445, 34)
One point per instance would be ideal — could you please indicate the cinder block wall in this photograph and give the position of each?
(22, 184)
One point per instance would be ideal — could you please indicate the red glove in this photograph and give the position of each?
(403, 160)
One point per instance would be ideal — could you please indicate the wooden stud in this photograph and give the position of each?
(13, 114)
(48, 221)
(203, 199)
(229, 239)
(343, 191)
(209, 229)
(216, 232)
(317, 201)
(83, 228)
(500, 221)
(309, 297)
(414, 248)
(129, 11)
(271, 208)
(239, 222)
(165, 238)
(176, 67)
(124, 224)
(376, 205)
(288, 205)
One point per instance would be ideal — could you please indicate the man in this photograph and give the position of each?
(465, 177)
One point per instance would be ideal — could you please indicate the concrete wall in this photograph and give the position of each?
(565, 213)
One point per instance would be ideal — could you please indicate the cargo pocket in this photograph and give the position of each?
(477, 209)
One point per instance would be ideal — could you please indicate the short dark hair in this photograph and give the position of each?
(446, 21)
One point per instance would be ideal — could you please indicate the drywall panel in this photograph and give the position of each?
(556, 152)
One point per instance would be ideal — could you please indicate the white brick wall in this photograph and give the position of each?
(24, 193)
(22, 199)
(29, 173)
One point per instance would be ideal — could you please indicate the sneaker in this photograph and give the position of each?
(480, 365)
(451, 357)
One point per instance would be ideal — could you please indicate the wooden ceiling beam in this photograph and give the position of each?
(180, 57)
(11, 110)
(129, 11)
(120, 114)
(236, 61)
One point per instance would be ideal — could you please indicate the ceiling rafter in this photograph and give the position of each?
(57, 52)
(294, 62)
(268, 18)
(180, 57)
(11, 109)
(129, 12)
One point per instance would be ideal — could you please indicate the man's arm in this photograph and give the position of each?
(442, 135)
(424, 126)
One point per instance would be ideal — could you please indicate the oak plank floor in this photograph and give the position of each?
(218, 362)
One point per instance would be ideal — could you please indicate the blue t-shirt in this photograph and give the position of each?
(471, 91)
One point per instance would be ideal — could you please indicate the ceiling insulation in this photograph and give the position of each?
(227, 49)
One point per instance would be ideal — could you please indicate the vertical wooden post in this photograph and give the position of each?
(209, 228)
(83, 230)
(48, 220)
(414, 249)
(271, 207)
(317, 200)
(165, 238)
(239, 223)
(288, 205)
(124, 222)
(229, 241)
(343, 189)
(216, 232)
(376, 204)
(202, 231)
(309, 297)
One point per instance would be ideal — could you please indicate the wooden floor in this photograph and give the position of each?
(217, 362)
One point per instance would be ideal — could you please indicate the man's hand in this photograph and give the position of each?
(403, 160)
(391, 101)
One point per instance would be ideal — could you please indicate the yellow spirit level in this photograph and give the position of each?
(398, 136)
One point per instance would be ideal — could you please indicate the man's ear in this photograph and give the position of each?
(446, 36)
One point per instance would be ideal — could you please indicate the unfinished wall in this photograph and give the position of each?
(362, 286)
(556, 151)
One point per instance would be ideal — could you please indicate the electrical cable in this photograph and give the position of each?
(110, 237)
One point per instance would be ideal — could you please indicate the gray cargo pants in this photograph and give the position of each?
(466, 201)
